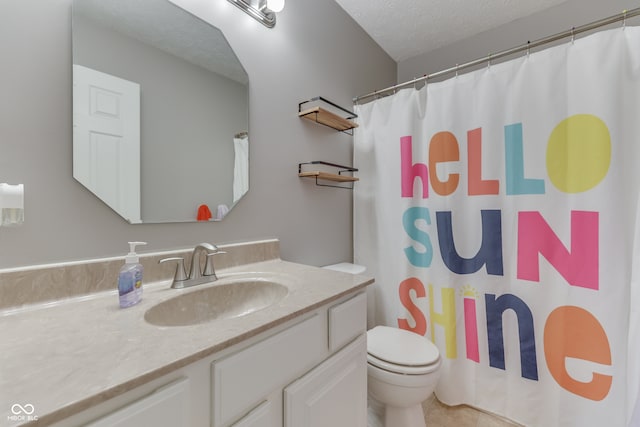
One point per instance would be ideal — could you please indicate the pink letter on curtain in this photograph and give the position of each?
(411, 171)
(578, 267)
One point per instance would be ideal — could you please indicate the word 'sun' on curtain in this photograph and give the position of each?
(498, 212)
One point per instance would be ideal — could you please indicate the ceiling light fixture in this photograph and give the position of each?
(264, 11)
(275, 5)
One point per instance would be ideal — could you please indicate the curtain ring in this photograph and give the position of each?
(573, 35)
(489, 61)
(624, 19)
(457, 67)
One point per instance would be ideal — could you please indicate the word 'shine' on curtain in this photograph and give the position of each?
(498, 211)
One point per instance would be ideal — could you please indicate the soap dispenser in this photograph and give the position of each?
(130, 278)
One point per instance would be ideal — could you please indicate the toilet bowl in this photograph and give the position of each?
(402, 372)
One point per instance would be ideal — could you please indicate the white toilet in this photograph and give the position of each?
(402, 372)
(402, 369)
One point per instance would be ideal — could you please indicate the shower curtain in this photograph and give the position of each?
(498, 212)
(240, 167)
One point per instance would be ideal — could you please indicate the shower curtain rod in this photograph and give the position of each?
(492, 56)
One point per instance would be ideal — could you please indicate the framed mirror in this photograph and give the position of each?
(160, 111)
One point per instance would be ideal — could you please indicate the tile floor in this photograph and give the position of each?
(440, 415)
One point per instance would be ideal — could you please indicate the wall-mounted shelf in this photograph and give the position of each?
(322, 175)
(318, 111)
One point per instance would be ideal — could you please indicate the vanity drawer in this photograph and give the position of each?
(166, 406)
(347, 320)
(242, 380)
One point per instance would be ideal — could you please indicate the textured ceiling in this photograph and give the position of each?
(407, 28)
(168, 27)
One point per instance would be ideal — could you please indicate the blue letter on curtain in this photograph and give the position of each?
(495, 308)
(489, 254)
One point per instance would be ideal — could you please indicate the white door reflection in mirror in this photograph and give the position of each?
(106, 135)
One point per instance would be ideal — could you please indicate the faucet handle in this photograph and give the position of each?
(209, 269)
(180, 274)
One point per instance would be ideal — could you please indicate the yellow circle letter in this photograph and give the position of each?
(578, 153)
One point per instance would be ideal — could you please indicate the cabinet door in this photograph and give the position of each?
(165, 407)
(333, 394)
(244, 379)
(262, 416)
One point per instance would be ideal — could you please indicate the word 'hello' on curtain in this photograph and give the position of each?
(498, 211)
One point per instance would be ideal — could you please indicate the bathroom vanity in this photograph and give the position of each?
(299, 361)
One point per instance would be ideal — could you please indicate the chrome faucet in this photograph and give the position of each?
(196, 274)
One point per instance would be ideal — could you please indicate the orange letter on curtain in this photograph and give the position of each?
(443, 148)
(477, 185)
(404, 290)
(574, 332)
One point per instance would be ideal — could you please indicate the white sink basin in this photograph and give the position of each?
(224, 299)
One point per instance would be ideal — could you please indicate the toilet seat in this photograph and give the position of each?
(400, 351)
(403, 370)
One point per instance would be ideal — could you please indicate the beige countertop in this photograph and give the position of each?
(67, 356)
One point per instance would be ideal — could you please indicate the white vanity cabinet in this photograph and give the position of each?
(332, 394)
(307, 372)
(244, 379)
(167, 405)
(266, 414)
(312, 374)
(178, 399)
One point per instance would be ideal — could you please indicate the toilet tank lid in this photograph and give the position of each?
(347, 267)
(401, 347)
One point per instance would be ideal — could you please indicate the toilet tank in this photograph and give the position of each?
(347, 267)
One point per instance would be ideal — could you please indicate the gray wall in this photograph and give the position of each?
(569, 14)
(315, 49)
